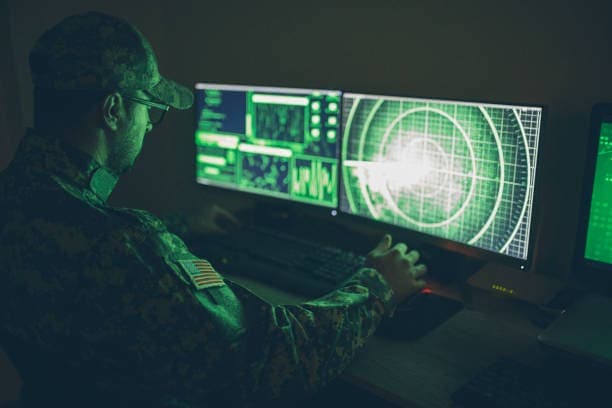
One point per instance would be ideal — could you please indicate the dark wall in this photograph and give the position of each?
(550, 52)
(10, 107)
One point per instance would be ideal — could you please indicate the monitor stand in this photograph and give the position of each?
(526, 286)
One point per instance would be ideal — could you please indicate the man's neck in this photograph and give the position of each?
(91, 142)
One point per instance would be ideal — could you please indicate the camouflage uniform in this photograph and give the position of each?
(103, 306)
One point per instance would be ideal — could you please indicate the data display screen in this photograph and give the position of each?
(460, 171)
(599, 232)
(281, 142)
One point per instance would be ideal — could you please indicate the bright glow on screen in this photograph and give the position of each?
(455, 170)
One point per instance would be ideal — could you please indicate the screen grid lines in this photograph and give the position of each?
(458, 171)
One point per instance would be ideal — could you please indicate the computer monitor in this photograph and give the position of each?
(593, 260)
(279, 142)
(449, 172)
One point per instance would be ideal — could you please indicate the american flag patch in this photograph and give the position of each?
(201, 273)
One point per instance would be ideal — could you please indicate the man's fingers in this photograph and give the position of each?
(222, 220)
(418, 271)
(420, 284)
(232, 219)
(225, 215)
(228, 224)
(413, 256)
(401, 248)
(384, 244)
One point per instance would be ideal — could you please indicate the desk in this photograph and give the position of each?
(424, 373)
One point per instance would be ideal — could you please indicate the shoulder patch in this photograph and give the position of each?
(201, 273)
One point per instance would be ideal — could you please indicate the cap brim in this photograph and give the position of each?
(173, 94)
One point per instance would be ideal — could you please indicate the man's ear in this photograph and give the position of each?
(111, 110)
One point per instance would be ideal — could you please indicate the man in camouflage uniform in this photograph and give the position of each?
(103, 306)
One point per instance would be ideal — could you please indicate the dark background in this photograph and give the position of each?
(556, 53)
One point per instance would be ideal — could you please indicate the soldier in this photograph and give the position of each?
(103, 306)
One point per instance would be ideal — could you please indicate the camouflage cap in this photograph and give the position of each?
(98, 52)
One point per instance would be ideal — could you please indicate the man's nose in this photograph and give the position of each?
(149, 127)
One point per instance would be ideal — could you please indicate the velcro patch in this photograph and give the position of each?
(201, 273)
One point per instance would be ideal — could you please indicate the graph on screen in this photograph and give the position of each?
(280, 142)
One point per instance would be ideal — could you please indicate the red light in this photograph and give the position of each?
(426, 291)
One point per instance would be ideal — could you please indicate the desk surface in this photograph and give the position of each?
(425, 372)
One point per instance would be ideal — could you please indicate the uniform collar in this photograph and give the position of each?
(61, 159)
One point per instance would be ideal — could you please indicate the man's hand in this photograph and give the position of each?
(212, 220)
(398, 267)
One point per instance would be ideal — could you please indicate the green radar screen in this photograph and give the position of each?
(455, 170)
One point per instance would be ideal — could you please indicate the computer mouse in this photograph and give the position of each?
(418, 315)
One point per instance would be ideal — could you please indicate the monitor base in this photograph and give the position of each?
(526, 286)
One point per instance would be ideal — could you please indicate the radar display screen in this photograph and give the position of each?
(460, 171)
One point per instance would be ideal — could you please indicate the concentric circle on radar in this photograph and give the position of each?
(457, 171)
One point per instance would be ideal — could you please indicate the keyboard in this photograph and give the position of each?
(280, 259)
(554, 383)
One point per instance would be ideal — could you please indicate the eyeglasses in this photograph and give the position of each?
(155, 115)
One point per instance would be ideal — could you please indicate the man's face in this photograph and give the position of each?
(130, 134)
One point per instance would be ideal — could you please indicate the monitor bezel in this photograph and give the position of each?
(593, 274)
(467, 250)
(280, 198)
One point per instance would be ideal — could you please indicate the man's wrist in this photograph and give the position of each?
(378, 287)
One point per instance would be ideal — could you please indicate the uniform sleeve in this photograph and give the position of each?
(299, 348)
(177, 224)
(143, 318)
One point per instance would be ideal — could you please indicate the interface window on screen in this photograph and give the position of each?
(280, 142)
(599, 233)
(455, 170)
